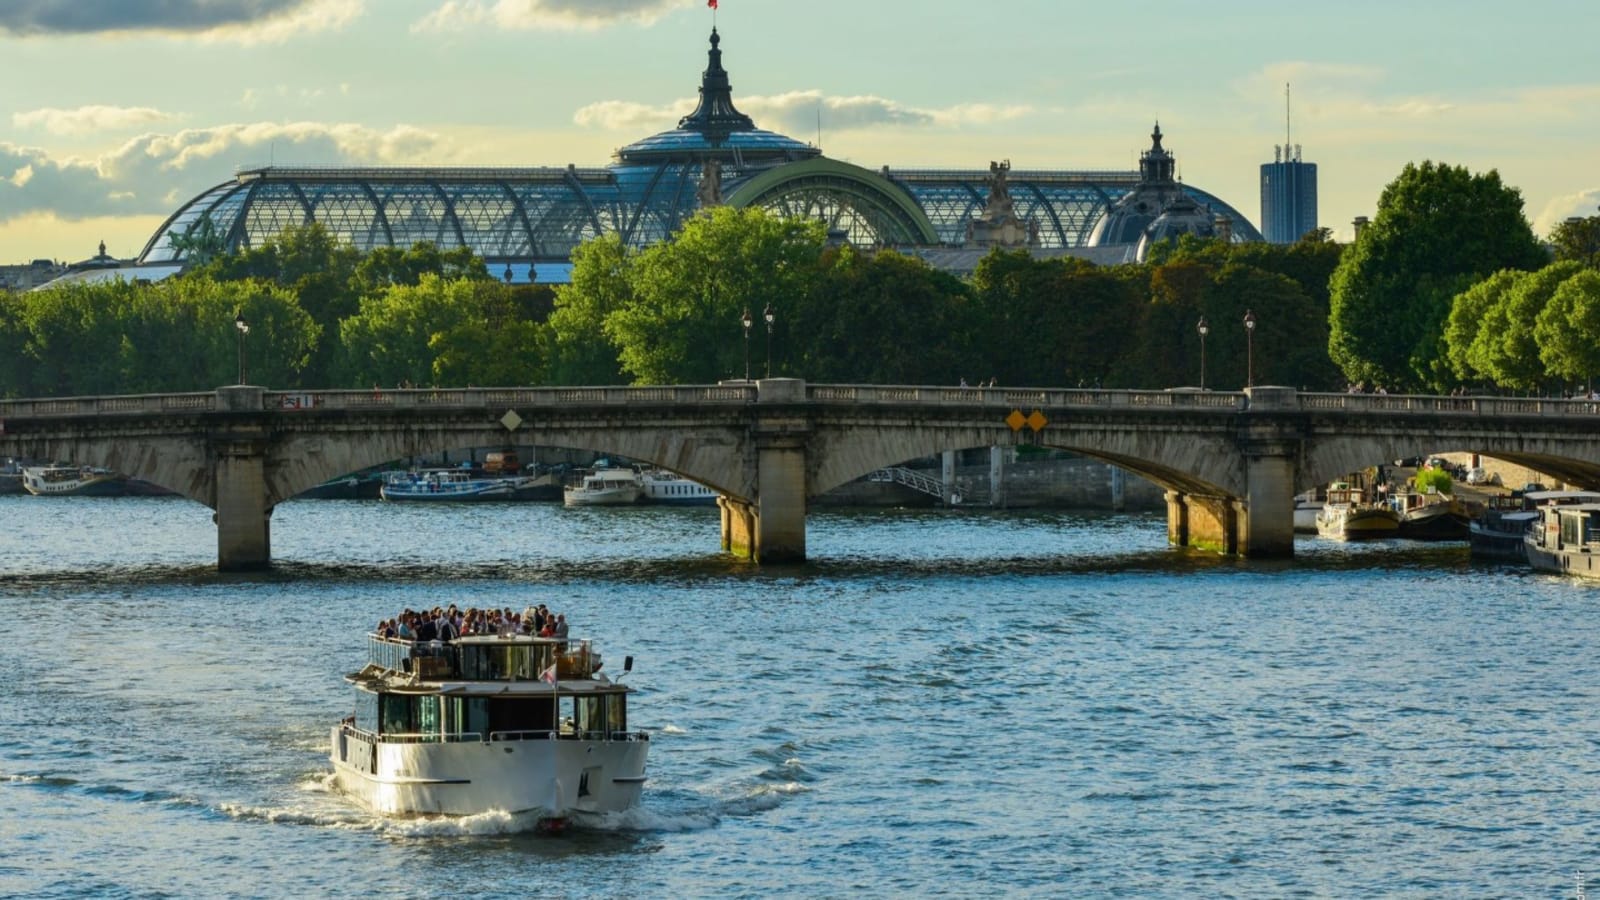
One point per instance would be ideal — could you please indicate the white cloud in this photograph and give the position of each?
(154, 172)
(90, 119)
(796, 112)
(625, 115)
(1583, 203)
(554, 15)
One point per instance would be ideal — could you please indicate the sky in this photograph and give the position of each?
(115, 112)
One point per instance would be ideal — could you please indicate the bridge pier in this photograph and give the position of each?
(1266, 521)
(244, 521)
(1271, 454)
(772, 529)
(1207, 523)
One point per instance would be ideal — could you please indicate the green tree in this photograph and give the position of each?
(313, 265)
(1058, 321)
(1504, 348)
(383, 267)
(1568, 328)
(1438, 230)
(681, 320)
(1467, 314)
(457, 332)
(1577, 239)
(1436, 479)
(883, 318)
(602, 281)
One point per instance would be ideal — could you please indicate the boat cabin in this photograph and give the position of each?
(487, 688)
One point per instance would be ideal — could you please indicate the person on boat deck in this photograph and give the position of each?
(549, 629)
(445, 629)
(561, 627)
(402, 629)
(426, 631)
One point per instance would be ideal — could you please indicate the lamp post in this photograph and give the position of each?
(768, 315)
(1204, 330)
(1250, 348)
(243, 328)
(746, 320)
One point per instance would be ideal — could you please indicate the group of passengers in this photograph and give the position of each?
(448, 623)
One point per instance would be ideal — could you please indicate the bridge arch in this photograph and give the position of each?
(1210, 469)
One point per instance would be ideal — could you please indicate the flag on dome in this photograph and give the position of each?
(712, 3)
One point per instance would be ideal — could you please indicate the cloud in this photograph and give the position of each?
(1584, 203)
(244, 21)
(90, 119)
(796, 112)
(552, 15)
(154, 173)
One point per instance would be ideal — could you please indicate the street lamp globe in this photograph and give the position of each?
(769, 316)
(1204, 330)
(1250, 348)
(746, 320)
(242, 328)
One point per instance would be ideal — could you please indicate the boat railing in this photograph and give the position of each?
(431, 737)
(529, 735)
(520, 659)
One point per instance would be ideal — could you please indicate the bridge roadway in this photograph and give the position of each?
(1230, 462)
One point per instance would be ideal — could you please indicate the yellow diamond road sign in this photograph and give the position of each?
(1037, 420)
(1015, 420)
(511, 420)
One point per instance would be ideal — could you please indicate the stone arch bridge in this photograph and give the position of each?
(1230, 462)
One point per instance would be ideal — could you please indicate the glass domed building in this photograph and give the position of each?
(526, 222)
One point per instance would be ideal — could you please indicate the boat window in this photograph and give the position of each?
(468, 714)
(428, 715)
(1571, 530)
(521, 714)
(590, 714)
(394, 714)
(617, 712)
(366, 711)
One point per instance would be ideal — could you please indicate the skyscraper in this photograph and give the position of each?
(1288, 196)
(1288, 189)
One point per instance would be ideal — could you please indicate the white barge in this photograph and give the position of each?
(520, 724)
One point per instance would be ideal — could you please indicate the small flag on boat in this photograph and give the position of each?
(549, 674)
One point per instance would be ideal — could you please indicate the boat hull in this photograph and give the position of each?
(553, 778)
(1358, 524)
(617, 496)
(1562, 562)
(1442, 524)
(1305, 518)
(446, 493)
(1492, 543)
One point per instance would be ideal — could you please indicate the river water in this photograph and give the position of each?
(939, 703)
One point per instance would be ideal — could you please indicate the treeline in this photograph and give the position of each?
(322, 315)
(1448, 288)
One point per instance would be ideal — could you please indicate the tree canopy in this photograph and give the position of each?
(1438, 230)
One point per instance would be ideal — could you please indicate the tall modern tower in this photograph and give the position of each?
(1288, 190)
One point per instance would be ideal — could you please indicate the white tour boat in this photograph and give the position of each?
(520, 724)
(605, 487)
(440, 485)
(670, 489)
(72, 481)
